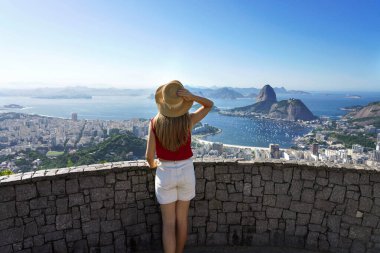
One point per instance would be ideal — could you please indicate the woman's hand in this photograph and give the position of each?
(185, 94)
(153, 164)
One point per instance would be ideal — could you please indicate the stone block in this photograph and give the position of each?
(302, 219)
(222, 195)
(25, 192)
(257, 191)
(281, 188)
(335, 177)
(7, 193)
(273, 224)
(322, 181)
(63, 221)
(278, 176)
(201, 208)
(261, 226)
(233, 218)
(324, 205)
(295, 189)
(59, 246)
(44, 188)
(312, 240)
(351, 178)
(290, 227)
(216, 239)
(308, 195)
(338, 194)
(215, 204)
(99, 194)
(300, 207)
(376, 190)
(269, 200)
(62, 205)
(256, 181)
(273, 212)
(110, 226)
(58, 186)
(237, 197)
(73, 235)
(333, 223)
(266, 172)
(229, 206)
(46, 248)
(358, 247)
(370, 220)
(324, 194)
(22, 208)
(352, 207)
(210, 190)
(300, 231)
(91, 182)
(12, 235)
(365, 204)
(286, 214)
(247, 189)
(53, 236)
(72, 186)
(269, 187)
(360, 232)
(91, 227)
(308, 174)
(7, 210)
(366, 190)
(317, 216)
(199, 221)
(288, 174)
(283, 201)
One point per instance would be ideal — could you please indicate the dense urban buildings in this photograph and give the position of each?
(52, 137)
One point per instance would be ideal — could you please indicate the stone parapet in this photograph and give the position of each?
(112, 207)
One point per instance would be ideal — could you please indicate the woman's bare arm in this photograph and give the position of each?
(151, 148)
(199, 114)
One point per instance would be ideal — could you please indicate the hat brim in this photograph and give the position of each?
(170, 111)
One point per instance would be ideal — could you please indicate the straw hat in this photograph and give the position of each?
(168, 103)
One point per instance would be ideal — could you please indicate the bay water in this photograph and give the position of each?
(235, 130)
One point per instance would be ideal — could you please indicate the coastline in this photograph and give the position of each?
(231, 145)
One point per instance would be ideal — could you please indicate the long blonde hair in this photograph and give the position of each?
(172, 132)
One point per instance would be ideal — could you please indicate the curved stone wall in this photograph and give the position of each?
(112, 208)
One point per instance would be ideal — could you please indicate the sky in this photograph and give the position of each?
(305, 45)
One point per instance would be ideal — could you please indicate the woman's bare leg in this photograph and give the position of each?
(182, 211)
(168, 212)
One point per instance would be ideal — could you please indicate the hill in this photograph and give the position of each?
(115, 148)
(367, 115)
(267, 105)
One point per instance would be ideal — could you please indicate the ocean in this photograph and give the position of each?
(235, 130)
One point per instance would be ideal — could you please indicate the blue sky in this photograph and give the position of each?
(307, 45)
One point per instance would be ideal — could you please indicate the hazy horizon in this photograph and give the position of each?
(187, 85)
(309, 45)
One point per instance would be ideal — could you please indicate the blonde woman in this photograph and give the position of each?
(170, 139)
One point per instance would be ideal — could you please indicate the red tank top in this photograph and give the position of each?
(184, 152)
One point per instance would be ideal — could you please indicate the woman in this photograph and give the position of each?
(170, 139)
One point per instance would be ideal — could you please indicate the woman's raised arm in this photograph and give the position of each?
(199, 114)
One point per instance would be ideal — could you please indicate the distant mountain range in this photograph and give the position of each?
(85, 92)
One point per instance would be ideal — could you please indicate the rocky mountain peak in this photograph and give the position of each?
(267, 94)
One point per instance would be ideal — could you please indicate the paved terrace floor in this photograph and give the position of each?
(229, 249)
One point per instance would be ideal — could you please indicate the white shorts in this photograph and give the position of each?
(175, 180)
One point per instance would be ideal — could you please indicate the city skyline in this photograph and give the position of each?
(320, 45)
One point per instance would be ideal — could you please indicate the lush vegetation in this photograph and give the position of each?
(6, 172)
(371, 121)
(349, 140)
(115, 148)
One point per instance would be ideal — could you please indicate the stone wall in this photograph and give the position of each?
(112, 208)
